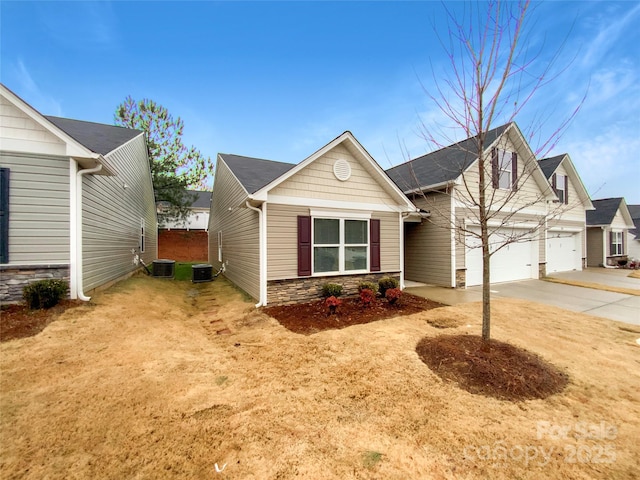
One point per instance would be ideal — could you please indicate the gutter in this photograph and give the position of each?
(78, 232)
(262, 241)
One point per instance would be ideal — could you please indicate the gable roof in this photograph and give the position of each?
(202, 200)
(254, 173)
(605, 211)
(442, 166)
(634, 211)
(549, 165)
(97, 137)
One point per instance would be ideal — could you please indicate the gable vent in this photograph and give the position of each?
(342, 170)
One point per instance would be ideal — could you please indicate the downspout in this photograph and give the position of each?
(262, 254)
(79, 278)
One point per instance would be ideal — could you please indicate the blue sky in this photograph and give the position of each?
(278, 80)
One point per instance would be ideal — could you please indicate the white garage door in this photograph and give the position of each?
(516, 261)
(563, 252)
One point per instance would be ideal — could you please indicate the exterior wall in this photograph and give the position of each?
(573, 211)
(15, 278)
(595, 247)
(284, 292)
(183, 245)
(198, 219)
(633, 246)
(317, 181)
(282, 240)
(428, 244)
(240, 232)
(20, 133)
(38, 208)
(113, 214)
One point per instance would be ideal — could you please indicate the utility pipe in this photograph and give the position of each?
(79, 278)
(261, 250)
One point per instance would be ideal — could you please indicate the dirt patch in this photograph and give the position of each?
(495, 369)
(18, 321)
(313, 317)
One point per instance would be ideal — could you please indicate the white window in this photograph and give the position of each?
(504, 169)
(220, 246)
(616, 243)
(340, 245)
(560, 187)
(141, 243)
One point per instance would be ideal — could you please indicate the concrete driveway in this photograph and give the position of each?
(614, 306)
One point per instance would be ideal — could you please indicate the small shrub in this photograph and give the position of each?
(393, 295)
(370, 285)
(332, 302)
(44, 293)
(367, 297)
(386, 283)
(331, 290)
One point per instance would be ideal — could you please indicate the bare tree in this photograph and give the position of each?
(492, 79)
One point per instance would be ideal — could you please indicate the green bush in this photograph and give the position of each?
(368, 286)
(386, 283)
(331, 290)
(44, 293)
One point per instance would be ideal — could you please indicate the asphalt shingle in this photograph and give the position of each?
(605, 211)
(255, 173)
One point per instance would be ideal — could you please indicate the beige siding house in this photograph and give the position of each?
(444, 249)
(566, 229)
(77, 198)
(281, 230)
(607, 233)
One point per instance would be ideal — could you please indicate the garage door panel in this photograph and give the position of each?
(563, 252)
(515, 261)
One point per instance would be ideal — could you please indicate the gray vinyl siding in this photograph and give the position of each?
(38, 208)
(428, 244)
(112, 214)
(240, 232)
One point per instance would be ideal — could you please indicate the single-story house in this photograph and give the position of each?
(77, 201)
(633, 236)
(445, 248)
(283, 230)
(186, 240)
(566, 229)
(607, 229)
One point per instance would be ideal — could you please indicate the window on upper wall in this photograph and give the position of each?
(4, 215)
(616, 243)
(340, 245)
(504, 167)
(560, 185)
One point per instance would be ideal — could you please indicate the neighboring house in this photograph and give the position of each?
(566, 230)
(633, 236)
(437, 251)
(77, 198)
(607, 229)
(186, 240)
(284, 230)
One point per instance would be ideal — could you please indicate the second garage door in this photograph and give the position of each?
(563, 252)
(516, 261)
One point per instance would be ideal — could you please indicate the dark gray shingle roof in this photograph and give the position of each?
(255, 173)
(442, 165)
(97, 137)
(605, 211)
(202, 199)
(549, 165)
(634, 210)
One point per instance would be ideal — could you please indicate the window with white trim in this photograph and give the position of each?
(560, 187)
(616, 243)
(504, 169)
(340, 245)
(220, 246)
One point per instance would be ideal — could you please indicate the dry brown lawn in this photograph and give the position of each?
(160, 379)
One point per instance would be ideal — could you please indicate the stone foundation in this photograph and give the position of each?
(298, 290)
(542, 270)
(14, 277)
(461, 278)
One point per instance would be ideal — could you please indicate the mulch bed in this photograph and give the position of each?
(17, 321)
(313, 317)
(495, 369)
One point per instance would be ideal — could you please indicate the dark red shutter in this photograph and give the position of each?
(304, 246)
(622, 242)
(610, 243)
(514, 171)
(554, 185)
(4, 215)
(374, 245)
(566, 189)
(495, 173)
